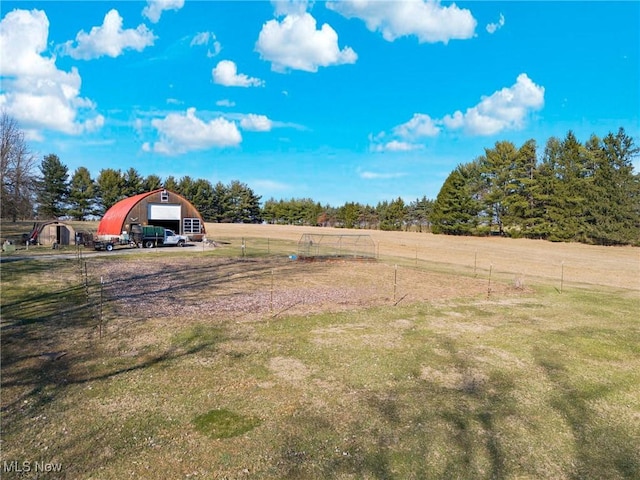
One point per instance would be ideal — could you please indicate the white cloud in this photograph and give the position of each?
(294, 43)
(380, 176)
(493, 27)
(419, 126)
(256, 123)
(225, 102)
(395, 146)
(108, 39)
(290, 7)
(505, 109)
(153, 10)
(428, 20)
(180, 133)
(207, 39)
(34, 91)
(226, 73)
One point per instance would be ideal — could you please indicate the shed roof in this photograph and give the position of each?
(114, 218)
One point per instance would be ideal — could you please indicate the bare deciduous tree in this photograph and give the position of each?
(16, 171)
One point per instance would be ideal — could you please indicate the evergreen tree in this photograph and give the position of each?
(202, 198)
(349, 215)
(524, 213)
(419, 212)
(497, 168)
(53, 187)
(220, 204)
(613, 199)
(566, 205)
(82, 194)
(152, 182)
(393, 215)
(456, 209)
(244, 205)
(133, 183)
(172, 184)
(110, 186)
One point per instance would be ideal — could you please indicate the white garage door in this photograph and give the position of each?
(164, 212)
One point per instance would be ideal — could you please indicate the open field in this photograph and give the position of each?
(447, 358)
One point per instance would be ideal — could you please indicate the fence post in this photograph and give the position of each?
(395, 281)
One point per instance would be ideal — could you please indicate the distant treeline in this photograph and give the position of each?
(575, 192)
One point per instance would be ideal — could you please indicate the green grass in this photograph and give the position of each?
(542, 386)
(224, 423)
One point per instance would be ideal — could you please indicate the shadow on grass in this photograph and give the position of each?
(50, 342)
(415, 428)
(603, 450)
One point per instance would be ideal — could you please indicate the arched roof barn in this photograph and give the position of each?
(160, 208)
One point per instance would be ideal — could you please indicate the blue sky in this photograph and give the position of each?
(337, 101)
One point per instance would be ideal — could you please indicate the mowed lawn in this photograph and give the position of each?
(473, 358)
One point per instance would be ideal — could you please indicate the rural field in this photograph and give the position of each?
(444, 358)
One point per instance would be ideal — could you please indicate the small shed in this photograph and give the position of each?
(161, 208)
(53, 233)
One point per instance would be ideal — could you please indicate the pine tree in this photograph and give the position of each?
(53, 187)
(152, 182)
(456, 209)
(565, 211)
(133, 183)
(110, 185)
(82, 194)
(613, 198)
(497, 167)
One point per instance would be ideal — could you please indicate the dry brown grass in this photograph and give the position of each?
(530, 259)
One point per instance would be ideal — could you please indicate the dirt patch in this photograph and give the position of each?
(289, 369)
(203, 286)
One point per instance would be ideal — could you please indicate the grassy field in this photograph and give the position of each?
(447, 358)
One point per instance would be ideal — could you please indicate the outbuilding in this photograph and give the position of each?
(160, 207)
(53, 233)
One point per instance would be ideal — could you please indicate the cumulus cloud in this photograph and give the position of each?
(505, 109)
(256, 123)
(181, 133)
(108, 39)
(226, 73)
(153, 10)
(395, 146)
(420, 125)
(290, 7)
(207, 39)
(428, 20)
(34, 91)
(295, 43)
(493, 27)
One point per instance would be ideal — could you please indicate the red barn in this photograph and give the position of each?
(159, 207)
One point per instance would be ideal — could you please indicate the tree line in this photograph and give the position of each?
(576, 192)
(573, 192)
